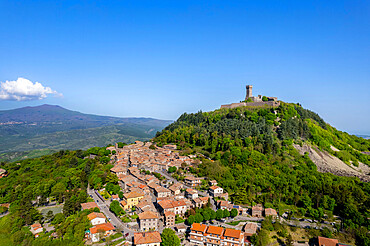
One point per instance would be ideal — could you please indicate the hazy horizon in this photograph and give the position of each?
(161, 59)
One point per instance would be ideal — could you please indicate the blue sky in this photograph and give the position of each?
(162, 58)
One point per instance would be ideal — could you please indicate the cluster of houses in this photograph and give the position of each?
(170, 199)
(152, 199)
(201, 234)
(256, 211)
(100, 227)
(142, 155)
(159, 202)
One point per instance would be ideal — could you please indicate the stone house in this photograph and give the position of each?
(270, 212)
(191, 193)
(160, 191)
(96, 218)
(106, 229)
(215, 191)
(169, 218)
(257, 210)
(175, 189)
(148, 221)
(177, 207)
(147, 239)
(89, 205)
(192, 181)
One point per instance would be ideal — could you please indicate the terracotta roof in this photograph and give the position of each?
(323, 241)
(103, 227)
(115, 196)
(147, 237)
(203, 199)
(198, 227)
(270, 211)
(132, 194)
(89, 205)
(232, 233)
(215, 230)
(148, 215)
(118, 168)
(159, 189)
(95, 215)
(178, 203)
(213, 187)
(152, 185)
(35, 226)
(191, 191)
(250, 229)
(123, 203)
(169, 213)
(223, 203)
(165, 204)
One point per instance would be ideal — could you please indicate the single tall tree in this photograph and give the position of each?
(169, 238)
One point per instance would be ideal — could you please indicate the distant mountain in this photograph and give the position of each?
(364, 136)
(54, 127)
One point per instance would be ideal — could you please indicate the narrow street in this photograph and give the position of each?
(104, 208)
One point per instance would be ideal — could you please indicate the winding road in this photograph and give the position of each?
(104, 208)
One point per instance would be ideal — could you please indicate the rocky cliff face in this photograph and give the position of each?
(327, 163)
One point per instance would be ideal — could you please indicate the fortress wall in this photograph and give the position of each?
(253, 104)
(260, 104)
(234, 105)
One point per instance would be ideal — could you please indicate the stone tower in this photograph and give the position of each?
(249, 91)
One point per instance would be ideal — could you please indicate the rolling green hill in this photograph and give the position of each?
(53, 127)
(254, 157)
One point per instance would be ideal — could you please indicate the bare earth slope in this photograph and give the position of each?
(327, 163)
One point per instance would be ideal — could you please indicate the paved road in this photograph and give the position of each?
(4, 214)
(114, 220)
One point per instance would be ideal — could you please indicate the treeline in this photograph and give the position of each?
(255, 161)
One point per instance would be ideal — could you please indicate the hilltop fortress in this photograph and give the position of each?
(250, 100)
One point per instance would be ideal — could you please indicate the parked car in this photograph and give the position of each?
(126, 234)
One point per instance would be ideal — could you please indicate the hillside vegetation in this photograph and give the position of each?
(53, 127)
(62, 177)
(253, 158)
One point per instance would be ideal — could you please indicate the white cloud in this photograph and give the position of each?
(23, 89)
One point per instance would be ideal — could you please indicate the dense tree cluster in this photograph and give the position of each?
(62, 177)
(169, 238)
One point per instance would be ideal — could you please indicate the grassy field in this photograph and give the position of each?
(55, 209)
